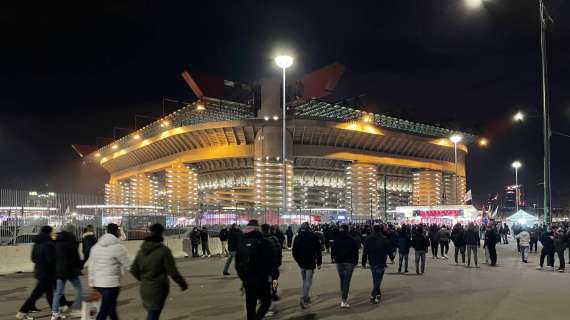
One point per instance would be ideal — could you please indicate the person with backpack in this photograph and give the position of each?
(108, 263)
(277, 255)
(344, 254)
(420, 243)
(153, 265)
(376, 248)
(43, 258)
(195, 241)
(307, 254)
(68, 267)
(88, 240)
(234, 238)
(257, 270)
(457, 234)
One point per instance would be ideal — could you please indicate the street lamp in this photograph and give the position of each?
(517, 164)
(284, 62)
(519, 116)
(456, 138)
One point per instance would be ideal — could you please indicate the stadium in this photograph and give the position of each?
(219, 159)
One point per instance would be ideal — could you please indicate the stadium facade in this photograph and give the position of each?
(226, 153)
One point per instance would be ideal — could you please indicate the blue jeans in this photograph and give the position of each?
(377, 276)
(307, 275)
(345, 274)
(60, 288)
(231, 256)
(108, 303)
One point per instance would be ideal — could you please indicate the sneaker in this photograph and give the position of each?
(373, 300)
(34, 310)
(227, 273)
(539, 268)
(64, 309)
(303, 304)
(405, 271)
(552, 268)
(561, 270)
(23, 316)
(56, 316)
(270, 313)
(344, 305)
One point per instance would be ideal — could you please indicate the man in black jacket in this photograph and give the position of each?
(204, 236)
(44, 268)
(420, 243)
(491, 244)
(458, 242)
(307, 254)
(472, 243)
(88, 240)
(277, 254)
(67, 268)
(255, 267)
(345, 254)
(234, 238)
(547, 240)
(224, 240)
(376, 249)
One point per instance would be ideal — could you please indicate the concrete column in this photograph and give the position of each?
(427, 188)
(362, 190)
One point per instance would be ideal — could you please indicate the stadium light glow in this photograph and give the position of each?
(473, 4)
(517, 164)
(284, 61)
(456, 138)
(115, 147)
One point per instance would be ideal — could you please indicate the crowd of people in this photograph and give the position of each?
(258, 254)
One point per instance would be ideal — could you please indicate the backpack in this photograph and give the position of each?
(246, 257)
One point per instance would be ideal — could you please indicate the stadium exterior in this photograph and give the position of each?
(225, 157)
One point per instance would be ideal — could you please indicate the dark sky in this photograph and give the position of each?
(70, 71)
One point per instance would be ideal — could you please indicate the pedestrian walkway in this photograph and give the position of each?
(513, 290)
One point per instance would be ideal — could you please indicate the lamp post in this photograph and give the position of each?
(284, 62)
(517, 164)
(456, 138)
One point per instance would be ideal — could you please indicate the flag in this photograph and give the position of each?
(468, 196)
(496, 211)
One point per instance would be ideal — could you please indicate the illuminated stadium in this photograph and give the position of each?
(220, 158)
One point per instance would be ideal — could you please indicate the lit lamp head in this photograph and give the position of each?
(456, 138)
(483, 142)
(473, 4)
(284, 61)
(519, 116)
(517, 164)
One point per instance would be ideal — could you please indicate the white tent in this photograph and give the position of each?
(522, 217)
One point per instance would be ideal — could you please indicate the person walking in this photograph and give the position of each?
(88, 240)
(109, 261)
(472, 243)
(307, 254)
(195, 241)
(491, 244)
(534, 239)
(276, 231)
(443, 237)
(404, 245)
(234, 237)
(344, 254)
(433, 239)
(256, 269)
(289, 235)
(505, 231)
(204, 236)
(68, 267)
(224, 240)
(547, 241)
(524, 241)
(420, 243)
(43, 252)
(277, 259)
(153, 265)
(560, 247)
(376, 248)
(457, 236)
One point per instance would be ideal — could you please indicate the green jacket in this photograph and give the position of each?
(152, 266)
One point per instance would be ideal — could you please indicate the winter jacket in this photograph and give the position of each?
(471, 237)
(152, 266)
(67, 261)
(376, 249)
(443, 235)
(457, 236)
(490, 238)
(345, 249)
(224, 234)
(277, 250)
(547, 241)
(420, 242)
(88, 240)
(404, 243)
(433, 234)
(307, 250)
(289, 233)
(107, 263)
(261, 264)
(559, 242)
(43, 257)
(524, 238)
(279, 234)
(234, 238)
(195, 237)
(204, 235)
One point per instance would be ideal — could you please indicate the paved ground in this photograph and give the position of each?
(512, 290)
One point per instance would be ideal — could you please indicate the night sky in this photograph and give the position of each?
(71, 71)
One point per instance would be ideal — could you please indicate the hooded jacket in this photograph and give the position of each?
(376, 249)
(107, 263)
(420, 242)
(457, 236)
(471, 236)
(43, 257)
(524, 238)
(152, 266)
(67, 261)
(307, 250)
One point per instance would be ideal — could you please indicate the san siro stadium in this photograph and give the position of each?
(219, 159)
